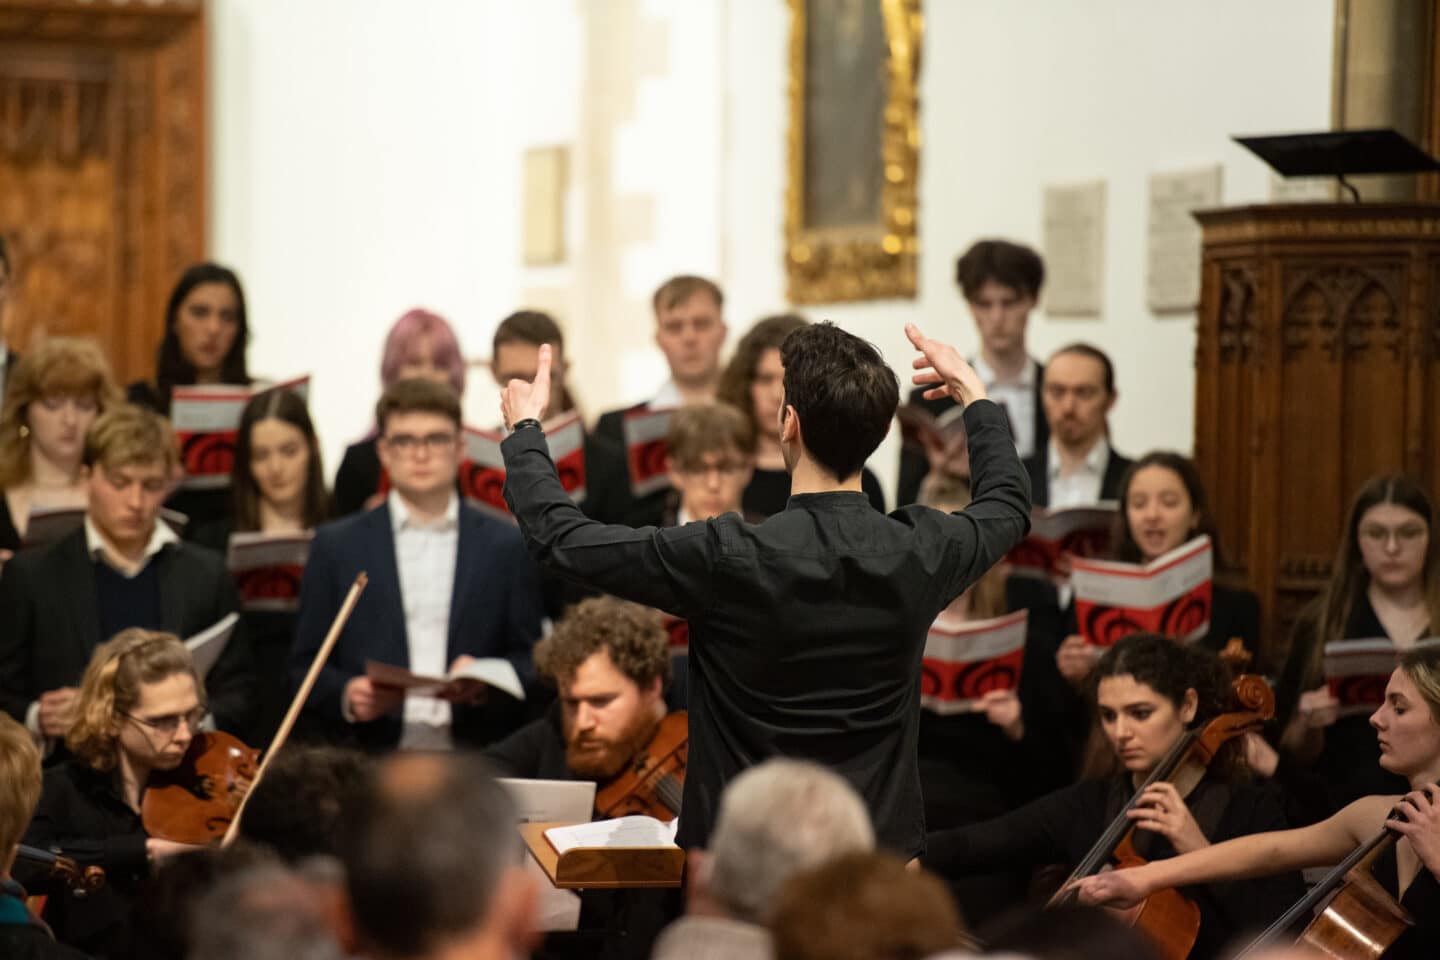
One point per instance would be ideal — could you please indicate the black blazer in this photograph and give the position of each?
(50, 623)
(494, 612)
(913, 463)
(1038, 466)
(807, 630)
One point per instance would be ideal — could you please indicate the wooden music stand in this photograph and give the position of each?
(604, 868)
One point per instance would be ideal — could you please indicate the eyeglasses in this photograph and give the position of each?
(408, 443)
(169, 724)
(1380, 536)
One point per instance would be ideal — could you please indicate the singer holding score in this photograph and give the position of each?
(807, 630)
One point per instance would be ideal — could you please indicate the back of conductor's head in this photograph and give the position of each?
(432, 860)
(841, 391)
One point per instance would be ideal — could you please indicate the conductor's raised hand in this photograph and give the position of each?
(944, 370)
(527, 401)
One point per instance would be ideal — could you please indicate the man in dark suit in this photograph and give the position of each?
(1001, 284)
(123, 568)
(447, 585)
(690, 330)
(806, 631)
(1078, 465)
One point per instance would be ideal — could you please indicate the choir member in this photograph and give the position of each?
(54, 394)
(1407, 728)
(139, 705)
(1001, 283)
(1147, 691)
(277, 486)
(1077, 466)
(806, 631)
(447, 584)
(1384, 584)
(123, 568)
(420, 345)
(753, 381)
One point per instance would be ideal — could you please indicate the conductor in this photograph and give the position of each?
(807, 630)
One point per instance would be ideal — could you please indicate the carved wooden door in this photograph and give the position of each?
(102, 167)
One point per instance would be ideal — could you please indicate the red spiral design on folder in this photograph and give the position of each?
(482, 483)
(208, 454)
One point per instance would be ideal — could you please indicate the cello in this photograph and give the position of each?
(1169, 918)
(201, 800)
(654, 780)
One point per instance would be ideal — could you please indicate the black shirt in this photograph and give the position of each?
(769, 491)
(534, 752)
(1061, 827)
(1422, 901)
(82, 813)
(806, 631)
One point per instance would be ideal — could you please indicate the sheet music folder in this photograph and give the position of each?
(1340, 153)
(602, 868)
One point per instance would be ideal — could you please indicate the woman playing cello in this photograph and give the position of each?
(139, 705)
(1148, 690)
(1407, 726)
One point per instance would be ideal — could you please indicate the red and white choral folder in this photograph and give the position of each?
(963, 663)
(267, 568)
(482, 473)
(645, 448)
(206, 418)
(1058, 536)
(1169, 595)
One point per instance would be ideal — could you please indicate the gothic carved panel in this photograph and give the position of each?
(1343, 310)
(1236, 329)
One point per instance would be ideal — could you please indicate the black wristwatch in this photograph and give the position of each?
(525, 424)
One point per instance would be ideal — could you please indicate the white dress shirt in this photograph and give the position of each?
(666, 397)
(1017, 397)
(1080, 487)
(425, 555)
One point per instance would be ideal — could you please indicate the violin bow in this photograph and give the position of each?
(301, 695)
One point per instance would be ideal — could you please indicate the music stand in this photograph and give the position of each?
(1340, 154)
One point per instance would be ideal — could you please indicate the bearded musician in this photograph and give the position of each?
(610, 663)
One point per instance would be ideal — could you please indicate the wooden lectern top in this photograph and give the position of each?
(604, 868)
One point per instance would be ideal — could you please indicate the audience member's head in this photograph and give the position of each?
(1068, 932)
(52, 396)
(515, 354)
(432, 860)
(840, 397)
(1389, 542)
(129, 458)
(775, 820)
(711, 458)
(165, 906)
(986, 597)
(205, 331)
(754, 379)
(1078, 392)
(277, 461)
(864, 906)
(140, 703)
(1148, 689)
(19, 787)
(420, 443)
(610, 662)
(296, 809)
(1162, 505)
(690, 329)
(266, 912)
(1001, 282)
(422, 345)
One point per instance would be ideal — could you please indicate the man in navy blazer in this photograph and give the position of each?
(447, 584)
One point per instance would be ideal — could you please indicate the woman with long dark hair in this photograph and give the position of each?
(205, 336)
(1147, 691)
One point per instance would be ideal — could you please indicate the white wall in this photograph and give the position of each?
(367, 156)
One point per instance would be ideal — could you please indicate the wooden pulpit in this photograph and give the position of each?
(1319, 333)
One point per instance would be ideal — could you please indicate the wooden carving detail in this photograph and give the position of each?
(1343, 310)
(1236, 333)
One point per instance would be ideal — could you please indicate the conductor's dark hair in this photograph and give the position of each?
(425, 848)
(1011, 264)
(296, 810)
(843, 392)
(171, 367)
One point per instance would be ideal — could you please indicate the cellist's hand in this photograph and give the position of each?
(1121, 889)
(1161, 809)
(1421, 825)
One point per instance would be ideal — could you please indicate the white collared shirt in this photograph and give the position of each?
(1016, 397)
(99, 548)
(1081, 487)
(667, 396)
(425, 555)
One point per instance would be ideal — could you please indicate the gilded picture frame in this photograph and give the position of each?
(853, 150)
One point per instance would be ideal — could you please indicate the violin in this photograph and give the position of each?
(1171, 919)
(1360, 921)
(655, 779)
(80, 881)
(200, 801)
